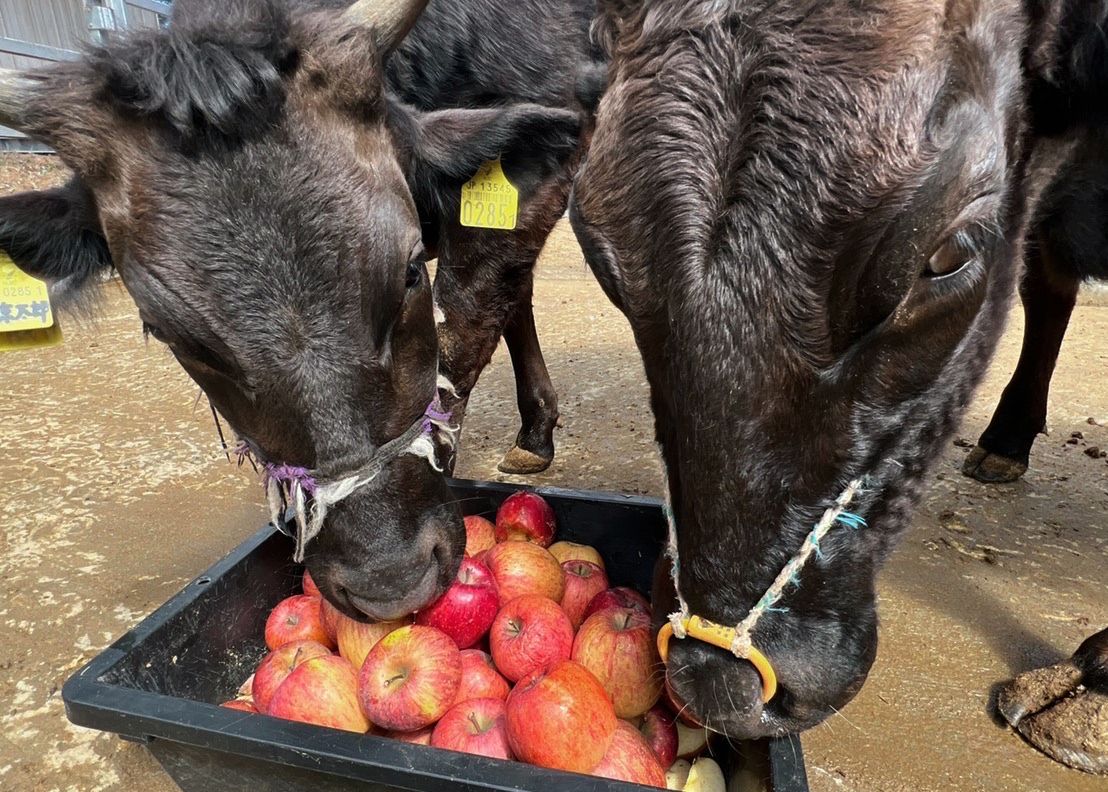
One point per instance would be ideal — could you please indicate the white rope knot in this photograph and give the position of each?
(677, 621)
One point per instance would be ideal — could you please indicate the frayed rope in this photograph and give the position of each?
(289, 486)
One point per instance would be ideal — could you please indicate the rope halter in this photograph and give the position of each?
(739, 639)
(291, 486)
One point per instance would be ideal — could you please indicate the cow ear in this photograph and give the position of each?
(55, 235)
(448, 147)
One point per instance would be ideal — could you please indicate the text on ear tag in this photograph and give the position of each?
(26, 318)
(489, 200)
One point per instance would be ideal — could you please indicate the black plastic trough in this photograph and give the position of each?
(160, 683)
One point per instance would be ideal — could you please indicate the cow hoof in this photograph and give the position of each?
(990, 468)
(1053, 711)
(1073, 731)
(520, 462)
(1034, 691)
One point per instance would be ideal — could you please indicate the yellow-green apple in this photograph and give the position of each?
(480, 679)
(480, 534)
(421, 737)
(583, 581)
(571, 551)
(356, 639)
(524, 568)
(246, 689)
(525, 516)
(560, 717)
(276, 667)
(678, 774)
(630, 759)
(323, 691)
(530, 632)
(476, 727)
(308, 586)
(691, 740)
(618, 646)
(705, 776)
(619, 597)
(410, 678)
(296, 619)
(466, 610)
(659, 727)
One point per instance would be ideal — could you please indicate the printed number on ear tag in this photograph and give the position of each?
(26, 319)
(489, 200)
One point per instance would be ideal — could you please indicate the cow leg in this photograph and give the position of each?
(535, 395)
(1049, 295)
(1063, 710)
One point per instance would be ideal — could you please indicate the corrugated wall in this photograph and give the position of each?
(36, 32)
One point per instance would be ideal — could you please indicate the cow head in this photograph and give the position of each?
(807, 212)
(252, 184)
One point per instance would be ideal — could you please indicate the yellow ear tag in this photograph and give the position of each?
(26, 319)
(489, 200)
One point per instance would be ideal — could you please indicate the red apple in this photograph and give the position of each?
(421, 737)
(560, 717)
(571, 551)
(480, 534)
(323, 691)
(296, 619)
(526, 517)
(356, 639)
(465, 612)
(620, 597)
(530, 632)
(243, 705)
(629, 758)
(684, 714)
(308, 585)
(524, 568)
(584, 580)
(659, 728)
(410, 678)
(476, 727)
(618, 646)
(276, 667)
(329, 616)
(480, 679)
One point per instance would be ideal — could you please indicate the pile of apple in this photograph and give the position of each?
(528, 656)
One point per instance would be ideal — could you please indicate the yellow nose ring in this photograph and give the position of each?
(723, 637)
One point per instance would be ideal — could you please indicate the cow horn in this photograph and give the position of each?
(13, 99)
(390, 19)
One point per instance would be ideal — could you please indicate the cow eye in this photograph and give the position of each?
(952, 257)
(416, 267)
(415, 274)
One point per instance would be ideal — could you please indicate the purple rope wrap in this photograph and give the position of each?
(288, 475)
(291, 485)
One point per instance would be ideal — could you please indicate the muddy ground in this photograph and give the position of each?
(115, 494)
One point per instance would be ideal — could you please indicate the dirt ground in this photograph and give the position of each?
(116, 494)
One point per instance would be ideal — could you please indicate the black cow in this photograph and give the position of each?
(1067, 245)
(811, 214)
(269, 205)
